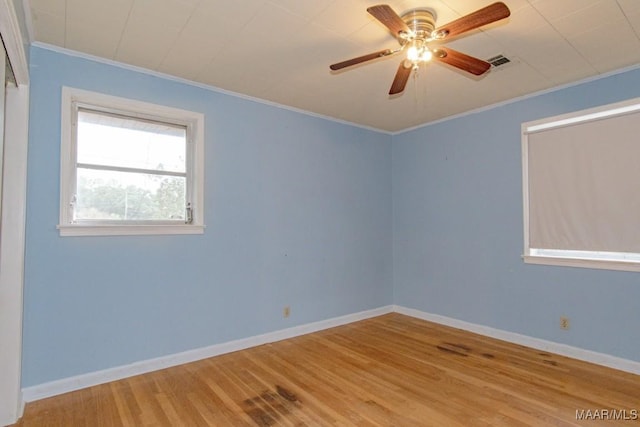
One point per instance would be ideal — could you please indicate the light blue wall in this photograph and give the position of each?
(298, 212)
(457, 230)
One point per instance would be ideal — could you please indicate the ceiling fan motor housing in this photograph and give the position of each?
(421, 21)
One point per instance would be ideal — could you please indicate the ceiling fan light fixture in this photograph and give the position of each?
(413, 54)
(419, 52)
(417, 55)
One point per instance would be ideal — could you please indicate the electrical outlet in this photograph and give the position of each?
(564, 323)
(286, 311)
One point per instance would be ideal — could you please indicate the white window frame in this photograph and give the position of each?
(72, 99)
(622, 261)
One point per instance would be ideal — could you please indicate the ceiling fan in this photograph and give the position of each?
(416, 31)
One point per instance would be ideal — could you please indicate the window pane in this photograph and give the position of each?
(114, 196)
(113, 140)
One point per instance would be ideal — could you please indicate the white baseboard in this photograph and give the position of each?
(65, 385)
(537, 343)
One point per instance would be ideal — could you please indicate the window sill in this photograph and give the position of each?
(583, 263)
(128, 230)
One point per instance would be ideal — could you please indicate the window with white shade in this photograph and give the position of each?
(581, 176)
(129, 167)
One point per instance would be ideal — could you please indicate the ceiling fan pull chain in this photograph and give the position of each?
(416, 68)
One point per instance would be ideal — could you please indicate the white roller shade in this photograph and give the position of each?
(582, 185)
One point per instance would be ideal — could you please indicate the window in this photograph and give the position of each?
(581, 195)
(129, 167)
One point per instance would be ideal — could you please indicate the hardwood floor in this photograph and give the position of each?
(391, 370)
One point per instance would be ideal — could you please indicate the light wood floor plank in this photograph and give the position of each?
(391, 370)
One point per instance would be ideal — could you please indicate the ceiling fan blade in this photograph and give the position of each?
(400, 81)
(389, 18)
(461, 60)
(492, 13)
(361, 59)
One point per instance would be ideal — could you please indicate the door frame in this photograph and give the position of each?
(13, 218)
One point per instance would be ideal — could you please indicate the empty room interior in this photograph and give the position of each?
(320, 212)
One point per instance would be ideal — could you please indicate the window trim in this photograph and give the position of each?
(72, 99)
(572, 258)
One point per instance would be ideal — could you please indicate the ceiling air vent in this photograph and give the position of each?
(498, 60)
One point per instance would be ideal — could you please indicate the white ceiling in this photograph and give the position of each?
(280, 50)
